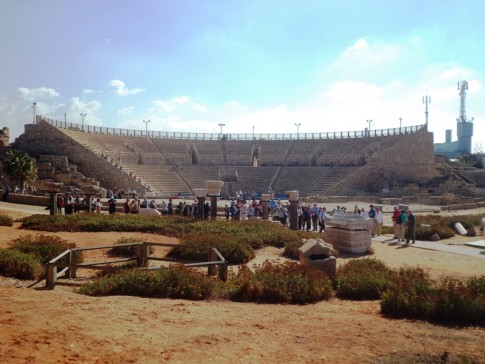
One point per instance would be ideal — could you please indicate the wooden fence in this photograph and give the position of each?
(216, 264)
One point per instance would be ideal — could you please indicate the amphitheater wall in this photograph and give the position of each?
(44, 139)
(410, 160)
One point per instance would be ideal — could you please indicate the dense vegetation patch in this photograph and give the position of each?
(412, 294)
(44, 247)
(6, 220)
(235, 240)
(176, 281)
(27, 255)
(235, 250)
(362, 279)
(269, 283)
(20, 265)
(283, 283)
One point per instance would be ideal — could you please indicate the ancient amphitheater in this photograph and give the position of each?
(319, 164)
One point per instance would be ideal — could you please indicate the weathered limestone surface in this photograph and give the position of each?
(350, 233)
(319, 254)
(350, 241)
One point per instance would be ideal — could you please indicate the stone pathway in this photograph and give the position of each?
(432, 245)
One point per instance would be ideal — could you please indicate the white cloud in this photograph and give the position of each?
(89, 91)
(126, 110)
(177, 104)
(235, 105)
(119, 87)
(35, 94)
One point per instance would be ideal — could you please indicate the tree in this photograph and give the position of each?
(473, 160)
(19, 166)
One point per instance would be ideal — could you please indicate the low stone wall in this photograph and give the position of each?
(28, 199)
(463, 206)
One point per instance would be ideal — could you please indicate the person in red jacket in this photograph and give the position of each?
(395, 216)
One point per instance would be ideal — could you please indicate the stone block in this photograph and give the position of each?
(316, 248)
(349, 221)
(350, 241)
(328, 265)
(435, 237)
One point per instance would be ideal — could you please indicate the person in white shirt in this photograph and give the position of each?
(322, 214)
(379, 219)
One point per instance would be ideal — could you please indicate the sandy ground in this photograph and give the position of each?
(59, 326)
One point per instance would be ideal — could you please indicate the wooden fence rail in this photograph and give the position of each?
(216, 264)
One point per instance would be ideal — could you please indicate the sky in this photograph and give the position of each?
(255, 66)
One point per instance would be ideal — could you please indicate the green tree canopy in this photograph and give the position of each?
(19, 166)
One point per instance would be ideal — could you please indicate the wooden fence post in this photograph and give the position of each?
(72, 261)
(223, 271)
(142, 254)
(212, 269)
(51, 278)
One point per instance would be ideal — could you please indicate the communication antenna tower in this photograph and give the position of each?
(426, 101)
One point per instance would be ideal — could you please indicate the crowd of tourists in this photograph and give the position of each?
(310, 217)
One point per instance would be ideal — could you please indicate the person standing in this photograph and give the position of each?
(112, 206)
(126, 206)
(322, 215)
(299, 211)
(395, 216)
(243, 211)
(207, 210)
(314, 216)
(411, 227)
(402, 225)
(97, 206)
(372, 215)
(306, 218)
(227, 212)
(379, 221)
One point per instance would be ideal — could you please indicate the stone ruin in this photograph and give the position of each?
(349, 233)
(320, 255)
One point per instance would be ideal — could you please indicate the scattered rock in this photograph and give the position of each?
(435, 237)
(471, 232)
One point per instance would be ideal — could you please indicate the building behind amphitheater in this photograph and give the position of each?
(317, 164)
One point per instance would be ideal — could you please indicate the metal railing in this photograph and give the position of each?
(216, 263)
(236, 136)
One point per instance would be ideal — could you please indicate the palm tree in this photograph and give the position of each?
(19, 166)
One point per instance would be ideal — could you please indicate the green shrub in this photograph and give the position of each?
(44, 247)
(410, 294)
(477, 284)
(20, 265)
(362, 279)
(291, 249)
(283, 283)
(174, 282)
(6, 220)
(197, 247)
(459, 303)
